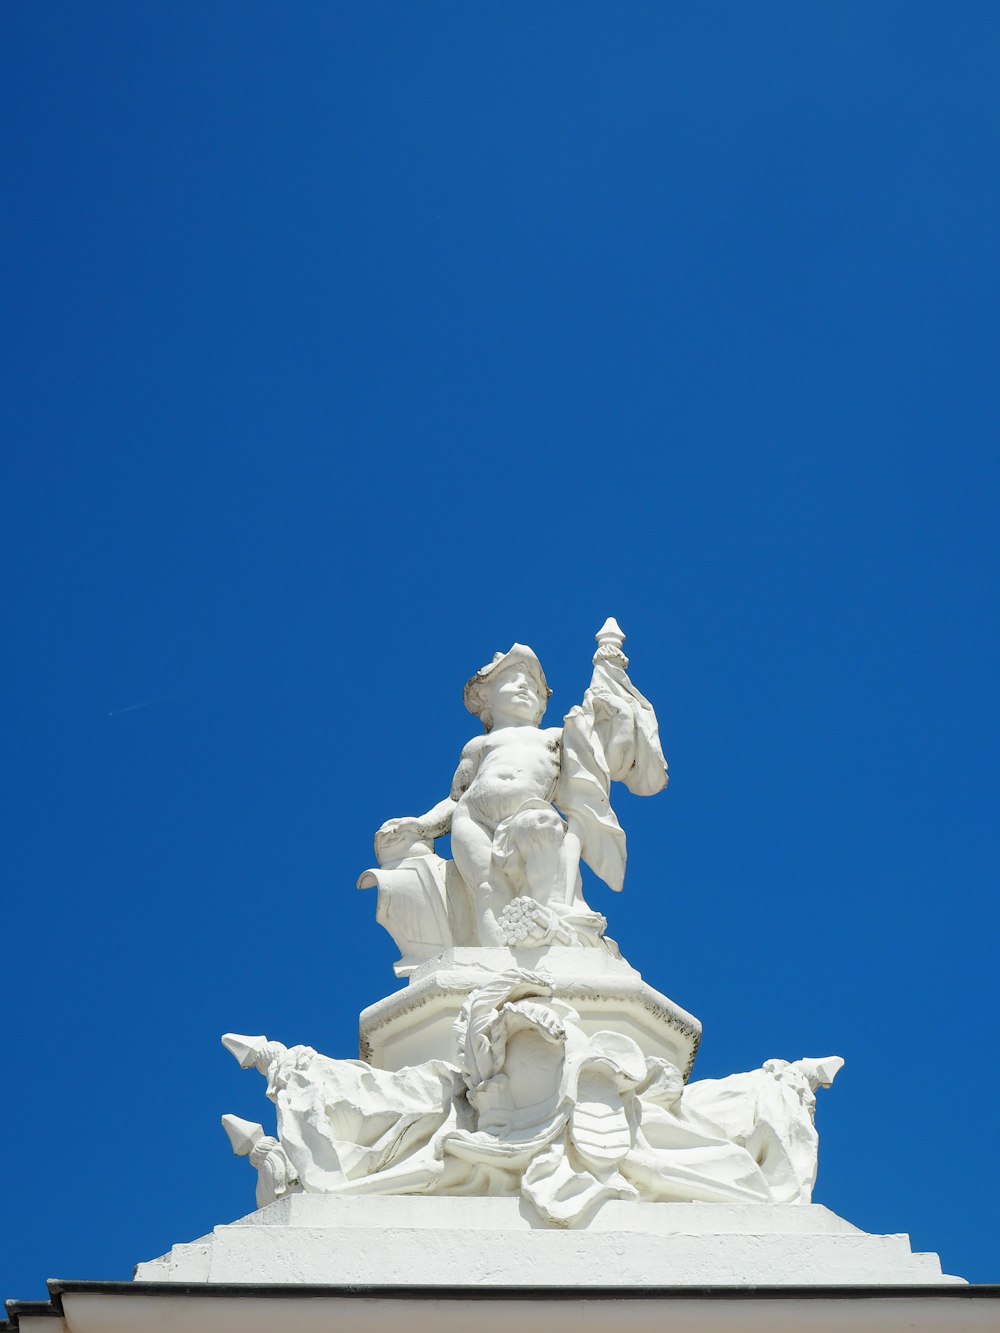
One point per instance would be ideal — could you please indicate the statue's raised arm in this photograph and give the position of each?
(612, 736)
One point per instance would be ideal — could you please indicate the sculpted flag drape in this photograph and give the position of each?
(341, 1122)
(611, 737)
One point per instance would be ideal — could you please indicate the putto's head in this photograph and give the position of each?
(510, 690)
(515, 696)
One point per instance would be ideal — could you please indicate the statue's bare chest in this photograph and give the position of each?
(522, 749)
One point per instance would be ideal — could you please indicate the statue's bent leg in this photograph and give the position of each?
(472, 849)
(539, 834)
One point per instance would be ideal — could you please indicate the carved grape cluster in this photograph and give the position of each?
(519, 922)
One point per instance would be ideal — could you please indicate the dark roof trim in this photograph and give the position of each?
(53, 1308)
(484, 1292)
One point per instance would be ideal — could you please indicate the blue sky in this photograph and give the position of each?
(344, 344)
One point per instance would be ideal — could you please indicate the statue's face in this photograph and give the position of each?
(516, 697)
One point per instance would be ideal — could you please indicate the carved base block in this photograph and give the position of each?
(416, 1024)
(469, 1242)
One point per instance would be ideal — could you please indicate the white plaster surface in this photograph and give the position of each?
(521, 1114)
(475, 1241)
(418, 1023)
(525, 1057)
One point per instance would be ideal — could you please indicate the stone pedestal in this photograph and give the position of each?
(415, 1024)
(468, 1242)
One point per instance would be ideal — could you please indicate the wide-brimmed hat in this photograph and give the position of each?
(476, 692)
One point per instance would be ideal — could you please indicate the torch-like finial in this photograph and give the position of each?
(610, 638)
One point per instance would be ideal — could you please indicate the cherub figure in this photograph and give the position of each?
(527, 802)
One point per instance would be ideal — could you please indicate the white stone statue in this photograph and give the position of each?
(527, 804)
(525, 1058)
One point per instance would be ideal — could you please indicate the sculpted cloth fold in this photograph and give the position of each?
(611, 737)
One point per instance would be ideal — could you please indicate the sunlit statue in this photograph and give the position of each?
(527, 804)
(511, 1065)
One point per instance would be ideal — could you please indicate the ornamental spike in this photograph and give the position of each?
(610, 638)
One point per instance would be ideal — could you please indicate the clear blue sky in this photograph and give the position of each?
(345, 343)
